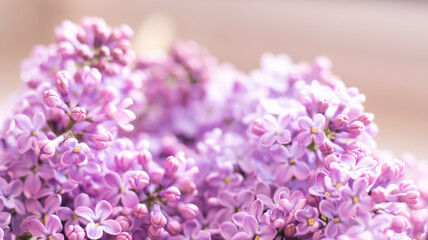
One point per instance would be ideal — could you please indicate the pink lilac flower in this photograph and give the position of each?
(309, 221)
(98, 221)
(355, 199)
(253, 230)
(312, 129)
(32, 131)
(292, 164)
(50, 230)
(275, 130)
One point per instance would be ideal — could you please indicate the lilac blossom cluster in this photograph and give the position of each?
(105, 144)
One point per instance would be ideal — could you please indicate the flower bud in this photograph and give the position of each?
(91, 77)
(140, 211)
(399, 224)
(172, 194)
(125, 159)
(340, 121)
(356, 128)
(46, 149)
(326, 148)
(188, 186)
(189, 211)
(102, 139)
(104, 51)
(51, 98)
(158, 220)
(407, 185)
(378, 195)
(156, 175)
(84, 52)
(322, 105)
(63, 81)
(139, 180)
(124, 236)
(66, 49)
(290, 230)
(173, 227)
(155, 233)
(329, 160)
(366, 118)
(278, 223)
(257, 127)
(144, 157)
(412, 198)
(312, 200)
(124, 222)
(171, 165)
(75, 232)
(78, 114)
(392, 169)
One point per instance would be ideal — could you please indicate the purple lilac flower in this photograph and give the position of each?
(32, 131)
(355, 198)
(336, 224)
(253, 230)
(309, 221)
(312, 129)
(50, 230)
(275, 130)
(98, 222)
(75, 152)
(191, 230)
(119, 189)
(10, 193)
(291, 165)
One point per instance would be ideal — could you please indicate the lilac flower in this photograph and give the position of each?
(68, 214)
(121, 114)
(355, 198)
(275, 131)
(5, 219)
(311, 129)
(120, 190)
(336, 223)
(192, 231)
(309, 221)
(224, 177)
(353, 167)
(51, 230)
(75, 152)
(98, 221)
(32, 131)
(51, 206)
(324, 187)
(253, 230)
(233, 203)
(10, 193)
(291, 163)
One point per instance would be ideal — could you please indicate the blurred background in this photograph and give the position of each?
(381, 47)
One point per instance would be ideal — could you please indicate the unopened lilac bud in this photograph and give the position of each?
(63, 80)
(326, 148)
(75, 232)
(125, 159)
(340, 121)
(407, 185)
(104, 51)
(172, 194)
(139, 180)
(329, 160)
(312, 200)
(171, 165)
(124, 222)
(158, 220)
(46, 149)
(84, 52)
(412, 198)
(399, 224)
(322, 105)
(290, 230)
(78, 114)
(378, 195)
(188, 186)
(257, 127)
(156, 175)
(144, 157)
(102, 139)
(66, 49)
(189, 211)
(356, 128)
(366, 118)
(173, 227)
(155, 233)
(123, 236)
(392, 169)
(140, 211)
(91, 77)
(279, 223)
(51, 98)
(117, 53)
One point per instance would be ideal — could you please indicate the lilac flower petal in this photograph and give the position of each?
(111, 227)
(256, 208)
(319, 138)
(129, 199)
(203, 235)
(242, 236)
(301, 170)
(5, 218)
(24, 142)
(57, 236)
(332, 230)
(366, 163)
(36, 228)
(46, 172)
(284, 137)
(32, 184)
(85, 212)
(23, 122)
(360, 186)
(112, 180)
(103, 210)
(244, 198)
(15, 189)
(82, 200)
(190, 228)
(283, 173)
(228, 230)
(284, 120)
(52, 203)
(53, 224)
(347, 209)
(64, 213)
(268, 139)
(38, 120)
(280, 153)
(267, 232)
(327, 208)
(250, 224)
(93, 231)
(319, 120)
(304, 138)
(305, 123)
(269, 122)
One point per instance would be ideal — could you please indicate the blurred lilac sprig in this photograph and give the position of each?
(105, 144)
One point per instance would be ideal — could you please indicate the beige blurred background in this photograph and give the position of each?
(381, 47)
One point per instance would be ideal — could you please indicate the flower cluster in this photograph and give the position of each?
(104, 144)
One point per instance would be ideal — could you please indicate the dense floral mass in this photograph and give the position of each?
(105, 144)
